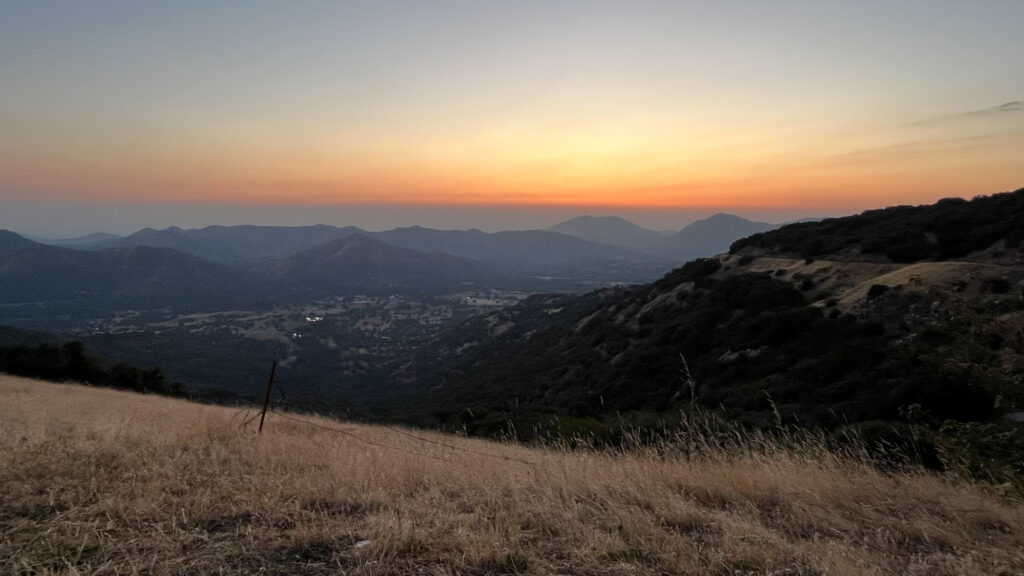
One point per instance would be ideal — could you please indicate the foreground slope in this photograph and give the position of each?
(772, 330)
(98, 481)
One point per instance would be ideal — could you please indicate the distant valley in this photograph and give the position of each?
(212, 306)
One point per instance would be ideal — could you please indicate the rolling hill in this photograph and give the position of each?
(532, 247)
(710, 236)
(138, 276)
(611, 230)
(11, 242)
(951, 228)
(200, 492)
(237, 244)
(362, 263)
(87, 242)
(249, 244)
(699, 239)
(771, 338)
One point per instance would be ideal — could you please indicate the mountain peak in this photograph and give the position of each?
(612, 230)
(714, 234)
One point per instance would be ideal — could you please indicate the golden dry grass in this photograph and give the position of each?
(103, 482)
(849, 281)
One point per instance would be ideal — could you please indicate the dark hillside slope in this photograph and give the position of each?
(10, 335)
(238, 244)
(135, 276)
(11, 242)
(535, 247)
(750, 340)
(768, 337)
(951, 228)
(362, 264)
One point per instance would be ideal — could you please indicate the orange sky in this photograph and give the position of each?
(679, 105)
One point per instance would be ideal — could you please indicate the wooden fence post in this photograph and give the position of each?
(266, 399)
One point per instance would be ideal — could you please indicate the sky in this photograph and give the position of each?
(499, 115)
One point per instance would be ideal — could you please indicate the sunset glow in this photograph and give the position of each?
(647, 105)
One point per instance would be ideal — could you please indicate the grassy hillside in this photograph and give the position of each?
(928, 355)
(98, 481)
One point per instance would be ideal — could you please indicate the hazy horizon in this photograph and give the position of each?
(500, 115)
(64, 221)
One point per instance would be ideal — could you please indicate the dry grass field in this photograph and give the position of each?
(102, 482)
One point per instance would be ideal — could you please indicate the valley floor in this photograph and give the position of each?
(103, 482)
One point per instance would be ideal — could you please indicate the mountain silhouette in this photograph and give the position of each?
(712, 235)
(136, 275)
(611, 230)
(361, 263)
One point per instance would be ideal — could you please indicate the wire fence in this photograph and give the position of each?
(349, 433)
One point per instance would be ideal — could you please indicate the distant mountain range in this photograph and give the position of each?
(137, 275)
(249, 244)
(612, 230)
(89, 240)
(702, 238)
(240, 263)
(228, 244)
(362, 263)
(516, 246)
(582, 239)
(713, 235)
(158, 276)
(907, 316)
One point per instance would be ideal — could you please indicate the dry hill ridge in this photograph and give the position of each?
(848, 282)
(104, 482)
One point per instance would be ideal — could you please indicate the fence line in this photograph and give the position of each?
(267, 405)
(399, 448)
(466, 450)
(356, 436)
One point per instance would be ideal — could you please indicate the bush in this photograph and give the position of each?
(996, 285)
(877, 290)
(70, 362)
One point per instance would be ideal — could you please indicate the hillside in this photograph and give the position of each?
(11, 242)
(139, 276)
(927, 355)
(100, 481)
(252, 244)
(236, 244)
(610, 230)
(699, 239)
(711, 235)
(951, 228)
(94, 240)
(362, 263)
(533, 247)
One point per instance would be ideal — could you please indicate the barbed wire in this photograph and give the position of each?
(401, 449)
(272, 408)
(356, 436)
(466, 450)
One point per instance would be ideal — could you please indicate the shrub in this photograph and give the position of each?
(877, 290)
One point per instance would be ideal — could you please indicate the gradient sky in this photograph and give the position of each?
(500, 115)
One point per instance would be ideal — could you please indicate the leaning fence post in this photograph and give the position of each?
(266, 399)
